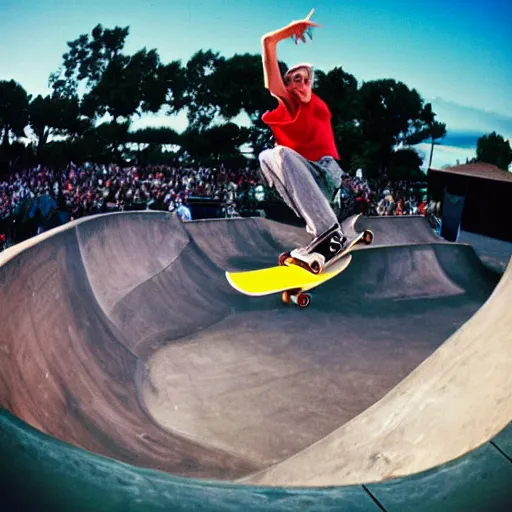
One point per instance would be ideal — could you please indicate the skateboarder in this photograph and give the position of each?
(302, 166)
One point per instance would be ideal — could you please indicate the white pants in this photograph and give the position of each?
(306, 187)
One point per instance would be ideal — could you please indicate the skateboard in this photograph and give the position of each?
(291, 280)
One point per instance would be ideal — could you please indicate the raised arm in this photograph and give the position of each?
(272, 75)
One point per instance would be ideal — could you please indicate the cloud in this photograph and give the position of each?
(445, 155)
(460, 118)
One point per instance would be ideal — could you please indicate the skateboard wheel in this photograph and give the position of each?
(367, 237)
(304, 300)
(315, 267)
(283, 257)
(290, 261)
(286, 298)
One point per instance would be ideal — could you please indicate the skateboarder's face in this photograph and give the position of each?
(299, 84)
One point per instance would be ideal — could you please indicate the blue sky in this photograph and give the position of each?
(456, 51)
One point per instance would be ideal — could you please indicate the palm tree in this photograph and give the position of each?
(435, 130)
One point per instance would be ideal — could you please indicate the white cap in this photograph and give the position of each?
(307, 65)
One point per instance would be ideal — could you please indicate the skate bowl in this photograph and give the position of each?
(133, 377)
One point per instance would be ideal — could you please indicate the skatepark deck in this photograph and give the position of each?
(121, 337)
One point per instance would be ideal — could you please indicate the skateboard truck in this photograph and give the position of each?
(302, 300)
(315, 262)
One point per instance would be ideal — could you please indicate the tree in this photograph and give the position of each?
(153, 139)
(494, 149)
(405, 165)
(51, 116)
(87, 59)
(390, 114)
(14, 102)
(130, 85)
(214, 144)
(352, 148)
(202, 89)
(340, 91)
(160, 136)
(432, 130)
(117, 84)
(220, 89)
(240, 89)
(99, 82)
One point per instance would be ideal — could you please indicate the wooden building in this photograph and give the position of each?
(475, 197)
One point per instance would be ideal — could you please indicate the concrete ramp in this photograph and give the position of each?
(70, 362)
(394, 230)
(131, 371)
(455, 401)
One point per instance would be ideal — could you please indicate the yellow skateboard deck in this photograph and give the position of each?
(292, 281)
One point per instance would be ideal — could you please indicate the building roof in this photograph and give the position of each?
(479, 170)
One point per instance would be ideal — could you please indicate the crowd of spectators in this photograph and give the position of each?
(38, 199)
(389, 198)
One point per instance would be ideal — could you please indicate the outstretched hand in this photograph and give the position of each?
(301, 27)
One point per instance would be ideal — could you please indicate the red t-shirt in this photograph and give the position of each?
(309, 132)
